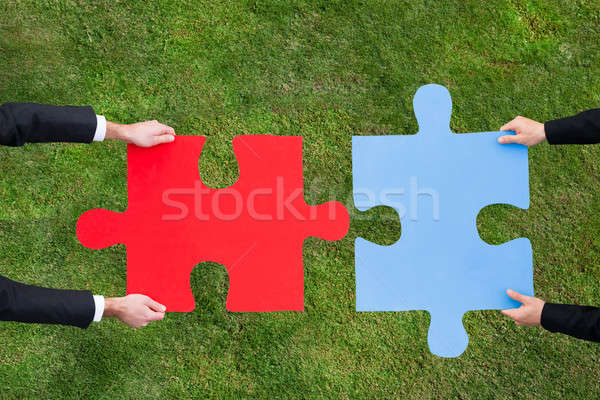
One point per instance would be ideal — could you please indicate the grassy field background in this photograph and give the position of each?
(325, 70)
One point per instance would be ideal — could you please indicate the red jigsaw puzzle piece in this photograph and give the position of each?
(255, 228)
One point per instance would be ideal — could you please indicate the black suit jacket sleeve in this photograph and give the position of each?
(30, 122)
(582, 322)
(26, 303)
(582, 128)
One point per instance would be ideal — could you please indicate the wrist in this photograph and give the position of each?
(541, 132)
(112, 307)
(116, 131)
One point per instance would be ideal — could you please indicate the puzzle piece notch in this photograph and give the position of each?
(433, 109)
(263, 255)
(427, 268)
(98, 228)
(447, 336)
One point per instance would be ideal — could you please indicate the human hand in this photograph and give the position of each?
(530, 312)
(529, 132)
(143, 134)
(135, 310)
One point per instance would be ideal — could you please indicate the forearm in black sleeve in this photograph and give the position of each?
(26, 303)
(583, 128)
(30, 122)
(582, 322)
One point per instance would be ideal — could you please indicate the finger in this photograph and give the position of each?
(521, 298)
(154, 305)
(509, 139)
(163, 139)
(166, 130)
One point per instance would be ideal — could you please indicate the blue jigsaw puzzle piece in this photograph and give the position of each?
(438, 181)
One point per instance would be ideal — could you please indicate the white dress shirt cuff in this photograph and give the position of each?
(100, 128)
(99, 302)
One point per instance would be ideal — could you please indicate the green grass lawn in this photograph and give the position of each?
(325, 70)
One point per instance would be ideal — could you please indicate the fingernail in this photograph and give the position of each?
(163, 308)
(500, 140)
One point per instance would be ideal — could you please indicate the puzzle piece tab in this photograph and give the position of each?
(255, 228)
(438, 182)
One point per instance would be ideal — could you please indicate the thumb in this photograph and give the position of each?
(511, 125)
(510, 313)
(509, 139)
(154, 305)
(156, 316)
(521, 298)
